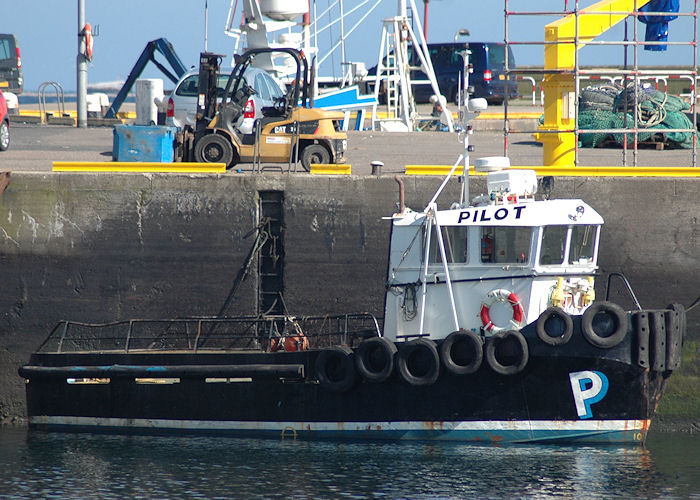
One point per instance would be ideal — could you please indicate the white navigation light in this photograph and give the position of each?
(284, 10)
(491, 164)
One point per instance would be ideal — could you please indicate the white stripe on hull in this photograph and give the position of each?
(503, 431)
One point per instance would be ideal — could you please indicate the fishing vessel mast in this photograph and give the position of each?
(396, 63)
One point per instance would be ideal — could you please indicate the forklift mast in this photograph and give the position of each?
(209, 64)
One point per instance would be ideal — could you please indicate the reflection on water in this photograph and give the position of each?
(40, 465)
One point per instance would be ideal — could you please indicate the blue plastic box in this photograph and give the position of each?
(143, 143)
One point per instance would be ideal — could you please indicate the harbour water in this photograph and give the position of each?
(55, 465)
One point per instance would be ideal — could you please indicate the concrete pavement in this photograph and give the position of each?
(35, 147)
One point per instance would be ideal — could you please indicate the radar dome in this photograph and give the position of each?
(284, 10)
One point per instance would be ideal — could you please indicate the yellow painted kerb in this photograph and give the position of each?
(125, 166)
(608, 171)
(331, 169)
(441, 170)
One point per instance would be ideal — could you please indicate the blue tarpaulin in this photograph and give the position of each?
(657, 26)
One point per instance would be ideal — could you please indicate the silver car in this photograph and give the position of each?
(182, 103)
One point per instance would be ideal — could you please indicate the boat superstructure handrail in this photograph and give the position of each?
(626, 282)
(193, 334)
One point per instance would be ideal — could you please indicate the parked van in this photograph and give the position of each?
(11, 79)
(488, 78)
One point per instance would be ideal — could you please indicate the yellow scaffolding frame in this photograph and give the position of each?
(568, 35)
(562, 40)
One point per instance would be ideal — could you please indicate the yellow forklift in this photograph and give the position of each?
(291, 131)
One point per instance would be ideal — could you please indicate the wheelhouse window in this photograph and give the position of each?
(455, 241)
(582, 244)
(571, 245)
(553, 248)
(505, 245)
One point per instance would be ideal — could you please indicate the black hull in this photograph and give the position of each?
(280, 394)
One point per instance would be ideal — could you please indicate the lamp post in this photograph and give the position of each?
(81, 98)
(462, 32)
(206, 24)
(425, 19)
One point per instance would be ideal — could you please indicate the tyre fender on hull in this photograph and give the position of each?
(335, 368)
(596, 320)
(462, 352)
(418, 362)
(374, 359)
(554, 326)
(494, 356)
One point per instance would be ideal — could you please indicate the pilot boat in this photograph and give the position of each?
(491, 333)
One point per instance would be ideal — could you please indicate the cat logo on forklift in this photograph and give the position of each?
(284, 129)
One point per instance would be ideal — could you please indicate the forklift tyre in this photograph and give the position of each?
(214, 148)
(314, 153)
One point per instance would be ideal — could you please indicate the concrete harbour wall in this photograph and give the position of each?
(98, 248)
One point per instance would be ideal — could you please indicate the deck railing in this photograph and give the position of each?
(257, 333)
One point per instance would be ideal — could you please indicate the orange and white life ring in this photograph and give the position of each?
(87, 33)
(299, 342)
(504, 296)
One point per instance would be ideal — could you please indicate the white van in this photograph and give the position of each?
(11, 79)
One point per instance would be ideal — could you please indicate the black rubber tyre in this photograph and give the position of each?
(604, 324)
(335, 368)
(314, 153)
(554, 326)
(462, 352)
(4, 136)
(505, 339)
(374, 359)
(214, 148)
(418, 362)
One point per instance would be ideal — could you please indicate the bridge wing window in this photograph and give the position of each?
(553, 245)
(505, 245)
(455, 241)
